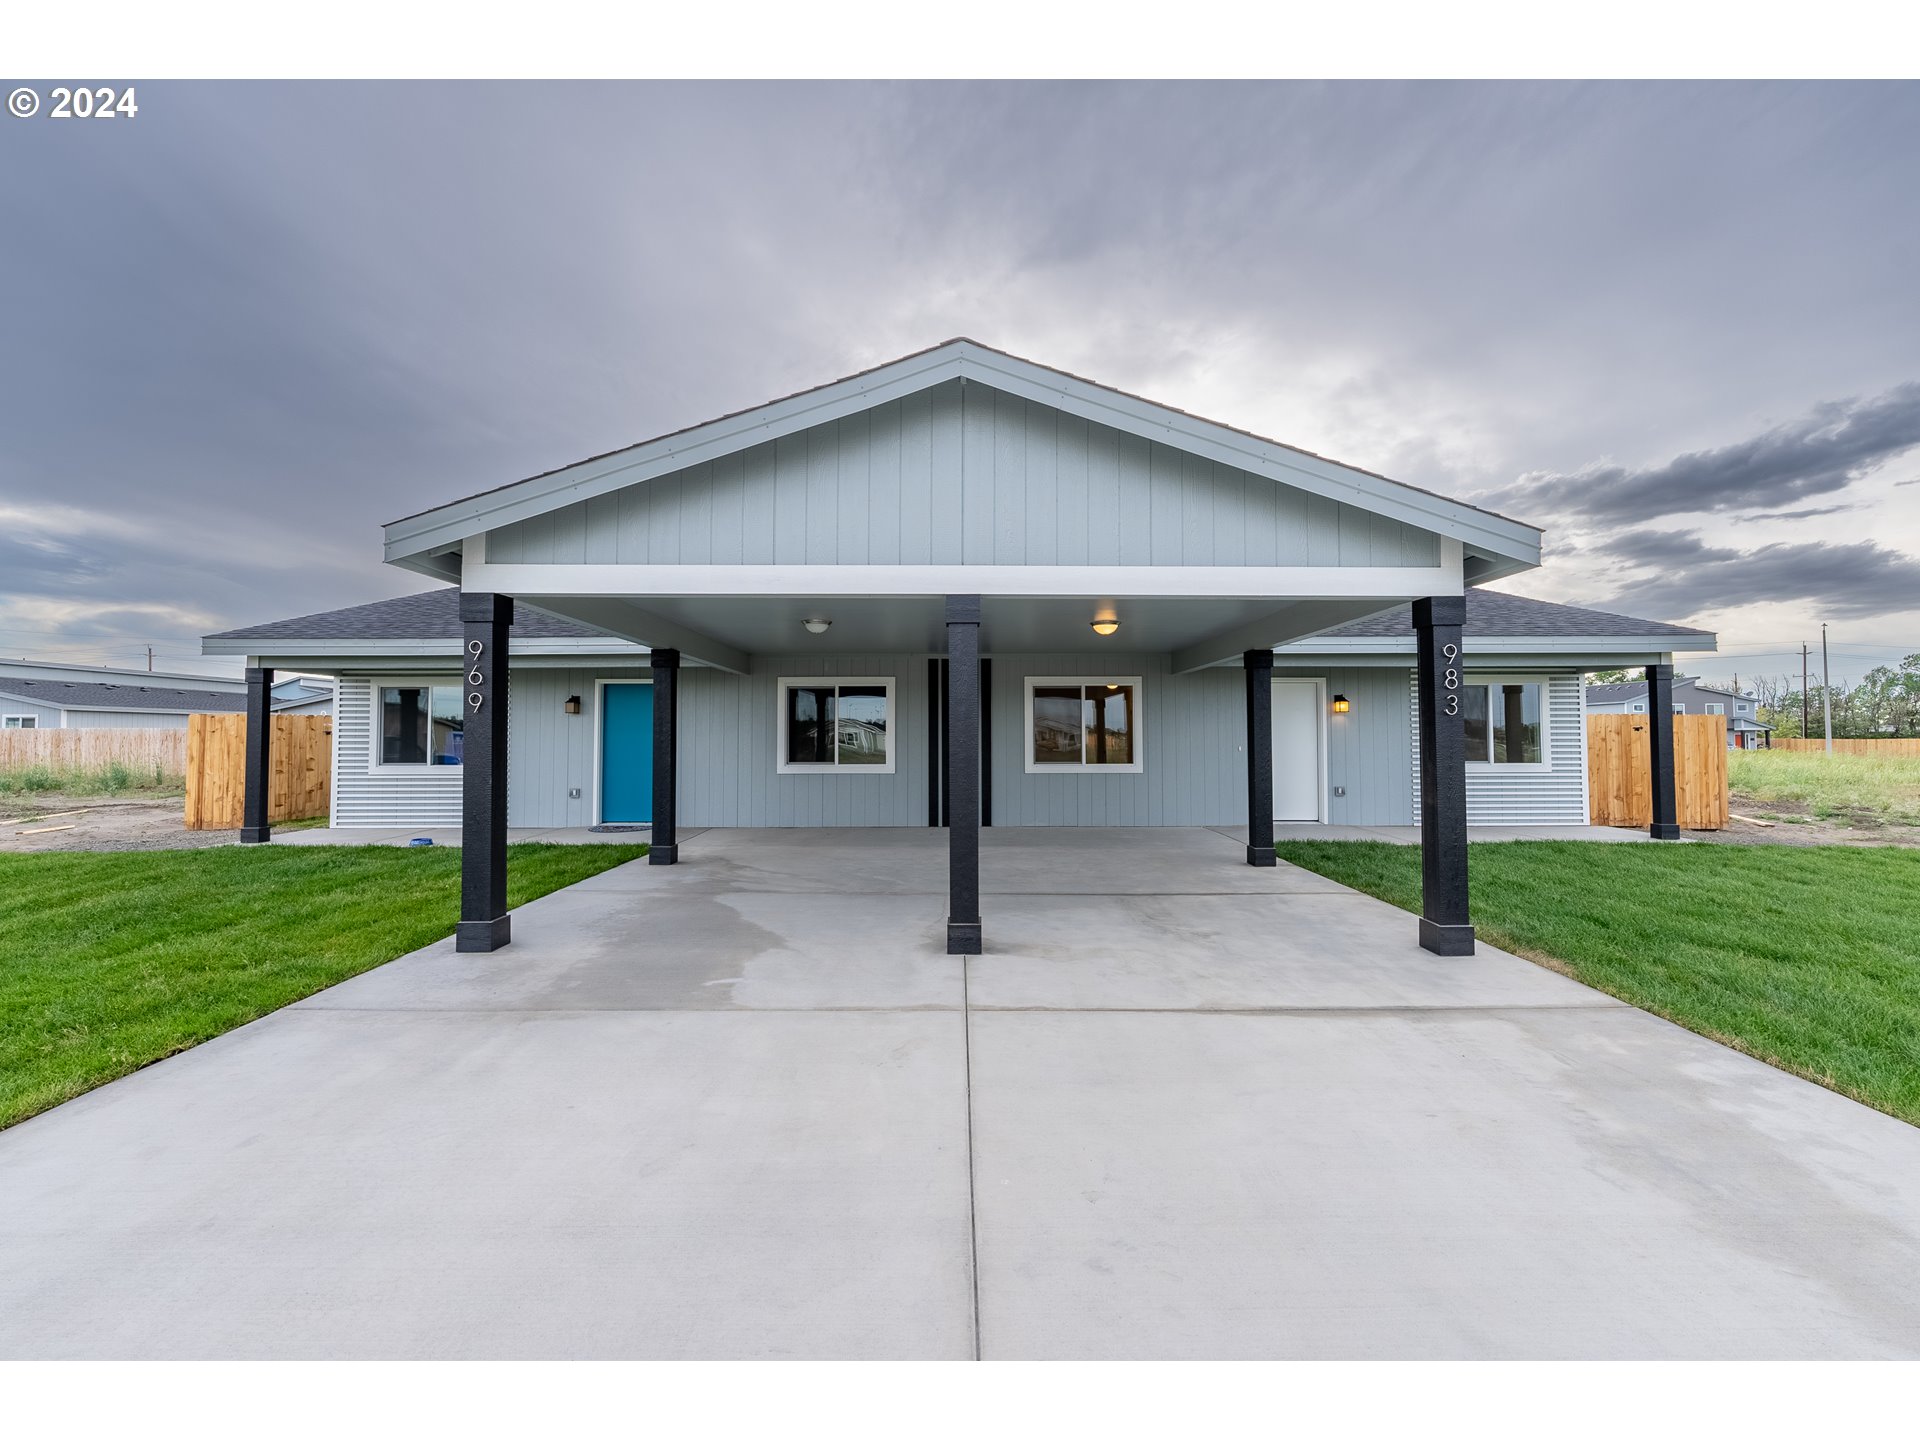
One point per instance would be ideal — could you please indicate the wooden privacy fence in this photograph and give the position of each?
(141, 751)
(1619, 779)
(301, 751)
(1884, 747)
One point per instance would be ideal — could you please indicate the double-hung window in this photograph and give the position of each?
(833, 725)
(19, 722)
(1081, 725)
(420, 724)
(1504, 722)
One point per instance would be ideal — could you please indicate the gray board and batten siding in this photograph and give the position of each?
(962, 474)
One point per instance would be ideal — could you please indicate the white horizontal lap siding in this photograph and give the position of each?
(368, 796)
(1556, 795)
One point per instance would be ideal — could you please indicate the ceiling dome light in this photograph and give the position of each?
(1105, 626)
(816, 627)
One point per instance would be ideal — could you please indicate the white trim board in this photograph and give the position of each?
(1390, 583)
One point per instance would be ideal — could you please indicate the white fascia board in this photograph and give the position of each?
(291, 652)
(409, 540)
(1612, 650)
(1280, 582)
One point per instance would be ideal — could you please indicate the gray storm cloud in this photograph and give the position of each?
(262, 319)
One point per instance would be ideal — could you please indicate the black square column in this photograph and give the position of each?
(1259, 664)
(963, 774)
(1660, 786)
(484, 618)
(256, 827)
(1443, 777)
(665, 837)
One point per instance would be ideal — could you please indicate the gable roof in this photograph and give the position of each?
(425, 541)
(91, 695)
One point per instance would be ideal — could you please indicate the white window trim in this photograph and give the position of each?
(782, 766)
(27, 722)
(1516, 767)
(1139, 726)
(1714, 707)
(377, 766)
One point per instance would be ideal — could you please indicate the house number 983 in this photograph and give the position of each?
(1450, 679)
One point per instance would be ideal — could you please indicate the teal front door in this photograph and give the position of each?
(626, 754)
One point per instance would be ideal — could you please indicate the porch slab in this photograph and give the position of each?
(450, 835)
(1410, 834)
(725, 1110)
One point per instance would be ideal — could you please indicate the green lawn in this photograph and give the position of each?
(109, 962)
(1807, 957)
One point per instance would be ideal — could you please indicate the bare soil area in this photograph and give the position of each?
(1791, 823)
(46, 822)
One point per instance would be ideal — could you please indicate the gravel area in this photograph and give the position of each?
(94, 823)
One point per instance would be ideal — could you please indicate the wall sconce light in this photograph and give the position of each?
(1106, 625)
(573, 704)
(816, 627)
(1341, 705)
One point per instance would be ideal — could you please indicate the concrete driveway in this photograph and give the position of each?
(745, 1107)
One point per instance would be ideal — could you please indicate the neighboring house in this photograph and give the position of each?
(42, 695)
(303, 695)
(1745, 731)
(796, 560)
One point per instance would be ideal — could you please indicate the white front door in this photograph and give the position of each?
(1297, 740)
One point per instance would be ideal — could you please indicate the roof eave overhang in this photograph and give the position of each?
(1633, 649)
(280, 648)
(425, 542)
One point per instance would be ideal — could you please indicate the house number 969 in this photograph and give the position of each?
(474, 676)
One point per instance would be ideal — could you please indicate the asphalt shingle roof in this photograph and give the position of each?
(94, 695)
(1490, 612)
(430, 615)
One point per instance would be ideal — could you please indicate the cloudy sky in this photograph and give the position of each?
(1675, 325)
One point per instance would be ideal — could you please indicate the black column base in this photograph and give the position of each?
(1663, 832)
(482, 936)
(663, 855)
(256, 834)
(963, 939)
(1261, 855)
(1445, 939)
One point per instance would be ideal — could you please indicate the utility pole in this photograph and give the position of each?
(1803, 692)
(149, 659)
(1826, 688)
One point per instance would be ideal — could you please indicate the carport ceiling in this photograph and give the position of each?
(775, 625)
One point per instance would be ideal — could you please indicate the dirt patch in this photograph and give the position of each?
(1795, 824)
(63, 823)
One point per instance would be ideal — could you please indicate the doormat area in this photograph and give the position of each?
(616, 829)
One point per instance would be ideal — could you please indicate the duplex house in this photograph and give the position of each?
(1691, 696)
(959, 590)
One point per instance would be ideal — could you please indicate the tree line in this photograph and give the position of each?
(1885, 703)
